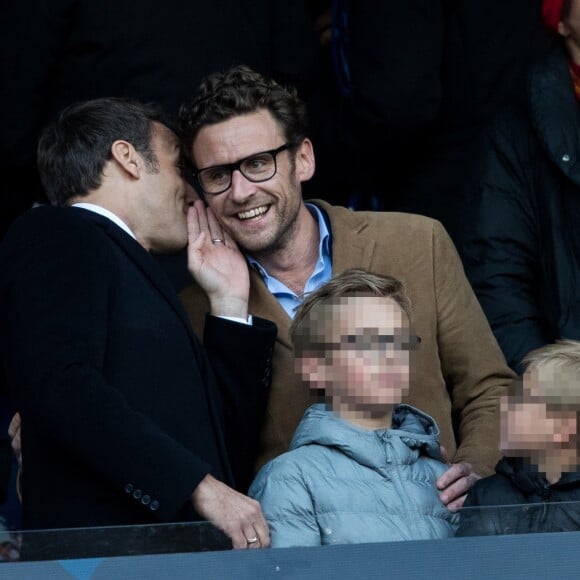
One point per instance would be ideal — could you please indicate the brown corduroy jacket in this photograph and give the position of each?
(458, 371)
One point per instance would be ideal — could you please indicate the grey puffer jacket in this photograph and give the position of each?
(340, 484)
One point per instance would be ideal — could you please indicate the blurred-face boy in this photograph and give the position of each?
(540, 423)
(363, 359)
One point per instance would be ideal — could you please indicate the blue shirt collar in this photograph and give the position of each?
(322, 271)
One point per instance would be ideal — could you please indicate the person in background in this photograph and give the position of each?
(523, 252)
(412, 88)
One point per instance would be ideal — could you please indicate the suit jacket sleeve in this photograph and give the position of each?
(241, 358)
(471, 360)
(56, 325)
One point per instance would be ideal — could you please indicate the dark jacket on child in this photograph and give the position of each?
(529, 503)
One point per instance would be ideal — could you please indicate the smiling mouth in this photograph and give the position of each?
(252, 213)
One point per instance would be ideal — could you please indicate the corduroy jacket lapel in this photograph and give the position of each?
(353, 248)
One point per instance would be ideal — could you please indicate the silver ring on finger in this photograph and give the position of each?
(217, 241)
(252, 540)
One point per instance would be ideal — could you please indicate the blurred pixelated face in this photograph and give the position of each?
(539, 420)
(367, 344)
(259, 216)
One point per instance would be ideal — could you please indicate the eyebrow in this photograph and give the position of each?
(243, 158)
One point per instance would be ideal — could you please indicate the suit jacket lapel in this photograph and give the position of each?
(351, 246)
(157, 277)
(146, 263)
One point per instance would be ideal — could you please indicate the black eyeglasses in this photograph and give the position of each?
(256, 168)
(382, 343)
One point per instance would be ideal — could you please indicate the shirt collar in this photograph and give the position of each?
(107, 214)
(324, 244)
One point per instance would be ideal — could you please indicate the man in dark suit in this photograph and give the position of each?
(123, 419)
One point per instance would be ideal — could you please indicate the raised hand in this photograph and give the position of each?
(216, 263)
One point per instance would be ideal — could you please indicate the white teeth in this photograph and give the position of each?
(246, 215)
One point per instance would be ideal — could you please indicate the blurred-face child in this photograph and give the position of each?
(340, 480)
(361, 358)
(539, 422)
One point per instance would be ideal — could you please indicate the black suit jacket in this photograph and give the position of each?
(122, 414)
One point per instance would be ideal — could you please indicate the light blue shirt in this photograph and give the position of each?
(322, 271)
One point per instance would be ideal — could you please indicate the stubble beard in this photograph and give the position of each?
(282, 238)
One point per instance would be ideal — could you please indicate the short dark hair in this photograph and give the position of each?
(73, 149)
(240, 91)
(351, 282)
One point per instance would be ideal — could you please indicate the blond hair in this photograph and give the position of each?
(350, 283)
(560, 366)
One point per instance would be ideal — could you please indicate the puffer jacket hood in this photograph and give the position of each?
(415, 429)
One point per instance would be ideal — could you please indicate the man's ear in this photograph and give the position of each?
(126, 157)
(305, 163)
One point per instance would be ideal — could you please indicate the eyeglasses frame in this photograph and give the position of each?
(237, 165)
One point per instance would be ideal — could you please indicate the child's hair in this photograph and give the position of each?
(561, 360)
(312, 321)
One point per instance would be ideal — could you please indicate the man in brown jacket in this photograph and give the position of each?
(247, 139)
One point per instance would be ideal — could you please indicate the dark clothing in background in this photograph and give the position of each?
(534, 503)
(427, 77)
(487, 51)
(393, 53)
(58, 52)
(123, 411)
(523, 255)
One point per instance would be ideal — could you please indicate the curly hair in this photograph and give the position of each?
(241, 91)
